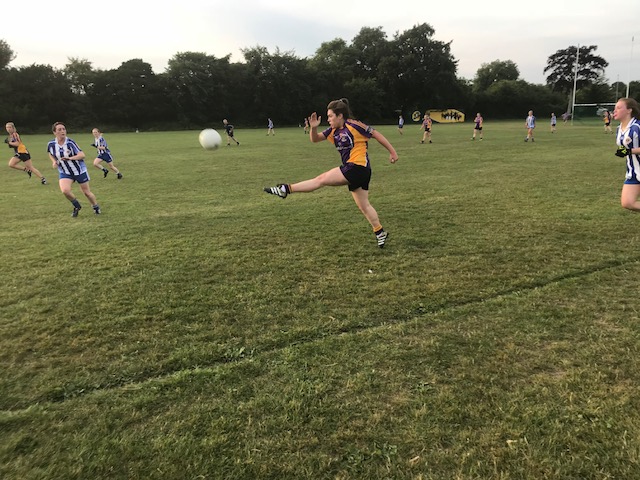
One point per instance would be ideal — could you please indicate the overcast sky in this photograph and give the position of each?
(525, 32)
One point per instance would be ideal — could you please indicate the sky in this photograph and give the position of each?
(527, 33)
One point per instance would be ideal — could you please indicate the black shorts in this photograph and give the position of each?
(357, 176)
(23, 156)
(477, 128)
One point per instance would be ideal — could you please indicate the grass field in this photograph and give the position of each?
(201, 329)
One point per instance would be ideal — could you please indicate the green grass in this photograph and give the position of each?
(200, 328)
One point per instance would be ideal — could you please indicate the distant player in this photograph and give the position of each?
(400, 124)
(530, 124)
(270, 130)
(104, 154)
(607, 121)
(351, 139)
(477, 128)
(426, 126)
(229, 129)
(627, 112)
(306, 126)
(67, 157)
(554, 121)
(21, 154)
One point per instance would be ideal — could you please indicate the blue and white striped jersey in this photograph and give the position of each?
(101, 142)
(68, 149)
(531, 121)
(630, 137)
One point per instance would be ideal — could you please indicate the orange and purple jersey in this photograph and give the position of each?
(21, 148)
(351, 141)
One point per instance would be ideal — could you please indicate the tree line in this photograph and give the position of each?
(382, 77)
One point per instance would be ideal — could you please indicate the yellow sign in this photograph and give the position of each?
(450, 115)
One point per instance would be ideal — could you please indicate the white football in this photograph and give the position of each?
(209, 139)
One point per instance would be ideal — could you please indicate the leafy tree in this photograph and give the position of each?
(634, 90)
(332, 66)
(79, 72)
(490, 73)
(426, 70)
(203, 86)
(39, 95)
(514, 98)
(367, 99)
(280, 85)
(370, 46)
(131, 95)
(562, 65)
(6, 55)
(80, 76)
(596, 93)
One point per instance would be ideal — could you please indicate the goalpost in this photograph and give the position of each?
(586, 111)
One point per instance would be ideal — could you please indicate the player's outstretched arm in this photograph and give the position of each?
(382, 140)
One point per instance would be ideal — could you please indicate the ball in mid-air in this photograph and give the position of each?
(209, 139)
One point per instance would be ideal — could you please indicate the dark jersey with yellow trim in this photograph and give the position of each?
(351, 141)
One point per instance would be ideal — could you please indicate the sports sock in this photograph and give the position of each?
(75, 203)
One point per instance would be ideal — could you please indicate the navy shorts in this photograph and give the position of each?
(105, 157)
(357, 176)
(82, 178)
(632, 181)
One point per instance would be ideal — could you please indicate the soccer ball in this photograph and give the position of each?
(209, 139)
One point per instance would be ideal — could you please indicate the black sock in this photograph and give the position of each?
(75, 203)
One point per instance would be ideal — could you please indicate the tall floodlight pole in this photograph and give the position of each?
(575, 81)
(630, 61)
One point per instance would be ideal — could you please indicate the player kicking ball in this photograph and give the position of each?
(351, 138)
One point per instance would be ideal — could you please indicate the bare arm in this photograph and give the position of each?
(314, 123)
(393, 156)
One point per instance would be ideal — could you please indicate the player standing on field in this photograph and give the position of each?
(554, 120)
(426, 126)
(607, 121)
(478, 121)
(627, 112)
(530, 123)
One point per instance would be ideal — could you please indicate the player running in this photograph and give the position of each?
(21, 153)
(67, 157)
(104, 154)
